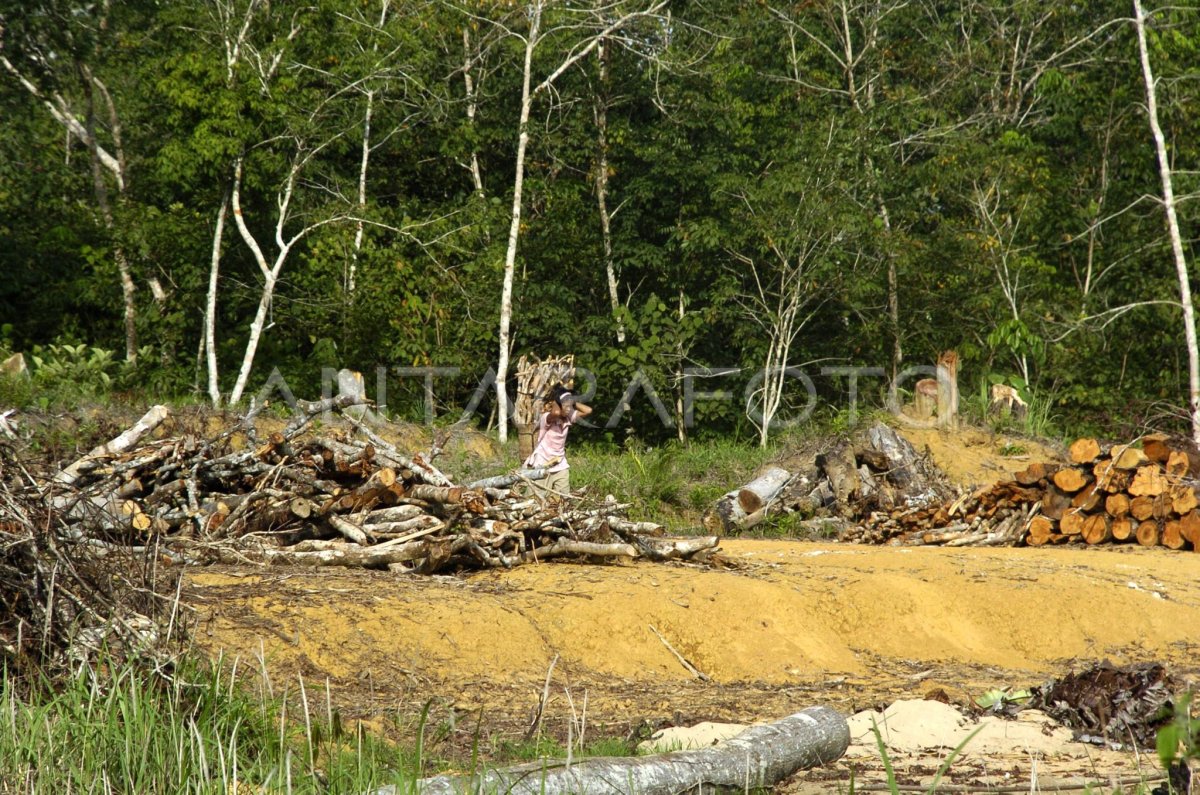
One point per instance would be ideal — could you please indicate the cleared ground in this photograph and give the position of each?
(784, 625)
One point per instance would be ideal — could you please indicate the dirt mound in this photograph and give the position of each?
(788, 625)
(973, 457)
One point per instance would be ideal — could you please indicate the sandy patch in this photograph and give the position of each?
(975, 456)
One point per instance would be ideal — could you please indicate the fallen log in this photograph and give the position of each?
(511, 479)
(734, 511)
(1070, 480)
(1126, 456)
(1157, 447)
(757, 758)
(378, 556)
(1083, 451)
(567, 546)
(1148, 481)
(840, 468)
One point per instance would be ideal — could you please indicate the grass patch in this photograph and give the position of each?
(129, 730)
(671, 484)
(543, 747)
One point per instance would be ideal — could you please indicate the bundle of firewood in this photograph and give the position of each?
(535, 378)
(1115, 493)
(346, 498)
(994, 516)
(1119, 493)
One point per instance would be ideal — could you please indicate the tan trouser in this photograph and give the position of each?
(556, 484)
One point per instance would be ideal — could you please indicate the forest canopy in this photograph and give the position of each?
(213, 196)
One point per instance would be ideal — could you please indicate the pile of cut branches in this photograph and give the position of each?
(62, 602)
(347, 498)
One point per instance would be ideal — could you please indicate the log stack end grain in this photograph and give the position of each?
(1107, 494)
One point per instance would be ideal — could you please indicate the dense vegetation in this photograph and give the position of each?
(868, 181)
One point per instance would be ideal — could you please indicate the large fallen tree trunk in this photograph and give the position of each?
(761, 756)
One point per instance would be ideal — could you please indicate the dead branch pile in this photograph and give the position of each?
(62, 601)
(997, 516)
(1107, 494)
(1111, 704)
(877, 471)
(335, 499)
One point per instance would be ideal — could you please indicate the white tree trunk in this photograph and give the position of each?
(352, 273)
(210, 307)
(1181, 267)
(514, 231)
(469, 81)
(270, 275)
(580, 51)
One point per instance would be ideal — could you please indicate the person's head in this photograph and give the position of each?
(560, 402)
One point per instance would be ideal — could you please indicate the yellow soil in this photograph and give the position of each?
(788, 625)
(975, 456)
(782, 626)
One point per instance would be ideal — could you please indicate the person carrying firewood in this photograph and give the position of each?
(550, 448)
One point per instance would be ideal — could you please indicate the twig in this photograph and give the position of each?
(537, 718)
(693, 670)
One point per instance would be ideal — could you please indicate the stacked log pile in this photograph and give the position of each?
(1143, 495)
(990, 517)
(1115, 494)
(334, 499)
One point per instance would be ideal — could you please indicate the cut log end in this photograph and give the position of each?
(1083, 451)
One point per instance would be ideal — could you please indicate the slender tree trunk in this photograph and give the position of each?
(514, 232)
(210, 307)
(893, 288)
(469, 81)
(1181, 267)
(101, 191)
(352, 272)
(602, 193)
(679, 353)
(270, 277)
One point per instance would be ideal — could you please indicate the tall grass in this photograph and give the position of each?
(671, 484)
(198, 730)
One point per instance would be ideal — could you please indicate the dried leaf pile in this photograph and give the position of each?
(1109, 703)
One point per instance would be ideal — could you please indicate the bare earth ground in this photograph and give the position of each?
(781, 626)
(788, 625)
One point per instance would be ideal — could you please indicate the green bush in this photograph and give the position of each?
(67, 373)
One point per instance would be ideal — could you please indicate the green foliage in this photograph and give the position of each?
(65, 372)
(672, 483)
(997, 206)
(199, 730)
(1179, 740)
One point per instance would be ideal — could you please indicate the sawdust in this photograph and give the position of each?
(975, 456)
(1029, 751)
